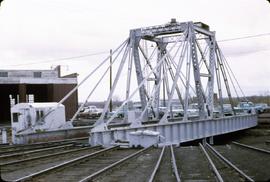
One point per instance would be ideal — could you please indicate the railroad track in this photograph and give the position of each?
(150, 162)
(166, 167)
(251, 147)
(240, 162)
(58, 155)
(255, 160)
(24, 147)
(23, 167)
(192, 164)
(256, 141)
(16, 152)
(21, 149)
(203, 163)
(35, 152)
(223, 168)
(40, 148)
(81, 167)
(153, 164)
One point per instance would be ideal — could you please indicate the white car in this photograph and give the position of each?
(90, 112)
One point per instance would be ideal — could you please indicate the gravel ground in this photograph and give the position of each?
(192, 164)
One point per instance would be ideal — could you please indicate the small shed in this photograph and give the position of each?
(35, 117)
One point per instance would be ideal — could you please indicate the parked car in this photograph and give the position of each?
(120, 114)
(90, 112)
(227, 109)
(261, 107)
(247, 107)
(177, 111)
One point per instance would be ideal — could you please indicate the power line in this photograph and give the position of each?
(105, 52)
(59, 59)
(245, 37)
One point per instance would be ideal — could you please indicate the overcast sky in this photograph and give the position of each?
(33, 33)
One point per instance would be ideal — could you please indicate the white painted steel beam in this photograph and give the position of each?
(178, 132)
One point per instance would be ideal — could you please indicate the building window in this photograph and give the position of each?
(30, 98)
(16, 117)
(39, 115)
(3, 74)
(37, 74)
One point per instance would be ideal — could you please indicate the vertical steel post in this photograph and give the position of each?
(135, 52)
(161, 53)
(111, 79)
(211, 140)
(210, 84)
(196, 72)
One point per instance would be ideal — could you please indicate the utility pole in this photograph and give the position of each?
(111, 106)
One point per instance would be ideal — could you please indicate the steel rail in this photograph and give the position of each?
(69, 162)
(175, 170)
(247, 178)
(157, 165)
(35, 151)
(47, 156)
(217, 174)
(94, 175)
(251, 147)
(20, 147)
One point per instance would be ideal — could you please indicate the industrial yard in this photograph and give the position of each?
(244, 157)
(75, 160)
(181, 99)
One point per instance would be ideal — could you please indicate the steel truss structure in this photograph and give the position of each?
(183, 63)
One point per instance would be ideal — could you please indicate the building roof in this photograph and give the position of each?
(37, 105)
(36, 77)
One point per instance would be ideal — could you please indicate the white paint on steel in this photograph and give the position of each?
(178, 131)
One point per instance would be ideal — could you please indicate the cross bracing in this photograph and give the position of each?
(161, 64)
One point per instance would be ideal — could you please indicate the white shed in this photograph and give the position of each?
(35, 117)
